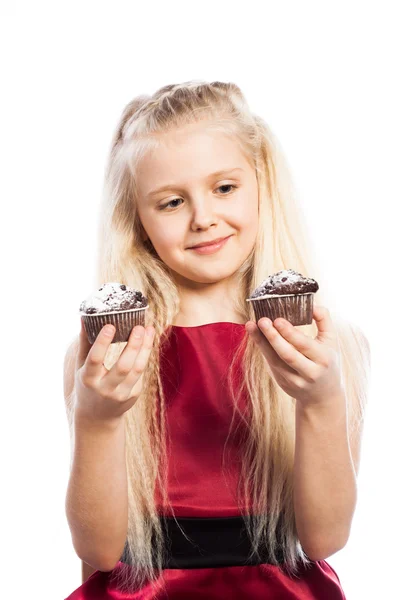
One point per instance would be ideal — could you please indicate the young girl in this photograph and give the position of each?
(212, 456)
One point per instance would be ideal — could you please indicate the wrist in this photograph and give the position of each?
(87, 422)
(325, 409)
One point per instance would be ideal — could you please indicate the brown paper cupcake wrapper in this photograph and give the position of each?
(123, 320)
(295, 308)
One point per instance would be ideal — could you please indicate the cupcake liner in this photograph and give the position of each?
(123, 320)
(295, 308)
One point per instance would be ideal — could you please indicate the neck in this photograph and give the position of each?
(207, 303)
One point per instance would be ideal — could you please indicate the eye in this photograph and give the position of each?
(227, 185)
(168, 204)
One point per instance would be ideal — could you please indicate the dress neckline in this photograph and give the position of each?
(208, 325)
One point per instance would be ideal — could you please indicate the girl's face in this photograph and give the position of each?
(198, 205)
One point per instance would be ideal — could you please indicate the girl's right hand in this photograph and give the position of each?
(103, 395)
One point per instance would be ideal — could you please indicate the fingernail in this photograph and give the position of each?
(137, 332)
(264, 322)
(109, 330)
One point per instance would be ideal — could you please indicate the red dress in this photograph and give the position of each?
(194, 365)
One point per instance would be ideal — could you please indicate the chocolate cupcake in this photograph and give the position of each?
(285, 294)
(115, 304)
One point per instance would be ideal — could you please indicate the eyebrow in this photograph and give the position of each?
(211, 176)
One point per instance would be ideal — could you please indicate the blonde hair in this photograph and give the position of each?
(282, 242)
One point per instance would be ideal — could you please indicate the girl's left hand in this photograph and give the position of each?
(306, 369)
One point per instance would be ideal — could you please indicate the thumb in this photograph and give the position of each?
(84, 347)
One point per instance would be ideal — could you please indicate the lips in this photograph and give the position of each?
(211, 247)
(210, 243)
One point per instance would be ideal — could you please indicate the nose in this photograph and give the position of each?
(203, 215)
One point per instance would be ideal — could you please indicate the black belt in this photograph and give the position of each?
(215, 542)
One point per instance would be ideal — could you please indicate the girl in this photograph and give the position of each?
(213, 457)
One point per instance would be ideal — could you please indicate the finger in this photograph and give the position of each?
(288, 354)
(307, 346)
(273, 359)
(140, 362)
(130, 365)
(326, 329)
(95, 358)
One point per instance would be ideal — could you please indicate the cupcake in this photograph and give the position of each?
(286, 294)
(115, 304)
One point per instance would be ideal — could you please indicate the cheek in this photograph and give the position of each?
(165, 236)
(246, 216)
(162, 234)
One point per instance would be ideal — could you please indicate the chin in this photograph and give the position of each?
(210, 275)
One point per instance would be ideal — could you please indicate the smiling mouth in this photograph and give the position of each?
(211, 243)
(211, 247)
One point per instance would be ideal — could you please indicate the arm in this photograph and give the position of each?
(97, 497)
(325, 486)
(97, 494)
(325, 461)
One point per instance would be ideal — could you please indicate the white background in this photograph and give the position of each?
(324, 75)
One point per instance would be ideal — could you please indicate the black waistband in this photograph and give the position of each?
(214, 542)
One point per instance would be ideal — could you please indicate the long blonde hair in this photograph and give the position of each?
(282, 242)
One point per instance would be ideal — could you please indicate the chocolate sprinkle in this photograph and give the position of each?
(285, 282)
(113, 296)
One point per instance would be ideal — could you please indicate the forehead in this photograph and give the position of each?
(187, 155)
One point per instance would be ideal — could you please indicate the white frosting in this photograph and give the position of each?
(276, 296)
(280, 280)
(291, 277)
(100, 298)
